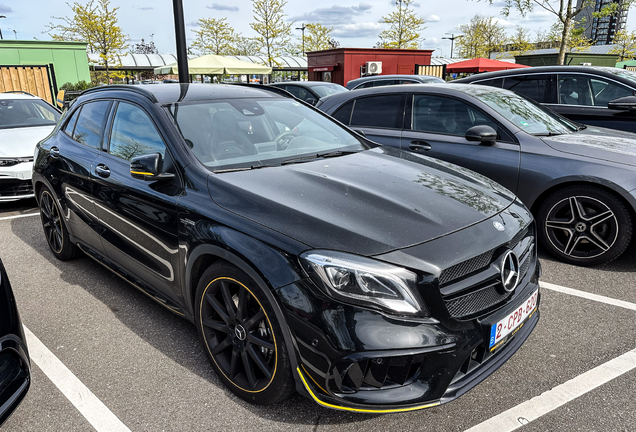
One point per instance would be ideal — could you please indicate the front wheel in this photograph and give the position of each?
(241, 335)
(584, 225)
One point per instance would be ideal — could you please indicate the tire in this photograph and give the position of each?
(584, 225)
(241, 335)
(54, 228)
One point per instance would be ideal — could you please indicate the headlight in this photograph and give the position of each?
(14, 161)
(364, 281)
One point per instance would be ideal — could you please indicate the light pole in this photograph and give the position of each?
(441, 51)
(1, 16)
(15, 33)
(303, 37)
(182, 51)
(452, 39)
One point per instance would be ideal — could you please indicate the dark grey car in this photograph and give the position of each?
(580, 182)
(385, 80)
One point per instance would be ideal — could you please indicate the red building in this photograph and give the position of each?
(341, 65)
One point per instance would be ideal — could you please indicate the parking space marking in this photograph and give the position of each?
(589, 296)
(540, 405)
(19, 216)
(97, 414)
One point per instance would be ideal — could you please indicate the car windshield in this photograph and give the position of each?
(15, 113)
(623, 73)
(529, 116)
(251, 133)
(328, 89)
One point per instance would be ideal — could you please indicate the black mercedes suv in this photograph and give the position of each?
(308, 258)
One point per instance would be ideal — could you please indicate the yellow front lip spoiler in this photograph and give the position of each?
(361, 410)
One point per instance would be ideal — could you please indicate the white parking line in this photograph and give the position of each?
(20, 216)
(589, 296)
(97, 414)
(531, 410)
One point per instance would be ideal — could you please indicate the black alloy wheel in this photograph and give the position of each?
(242, 338)
(54, 229)
(585, 225)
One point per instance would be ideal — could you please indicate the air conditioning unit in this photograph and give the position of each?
(373, 68)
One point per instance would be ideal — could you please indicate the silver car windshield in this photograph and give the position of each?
(249, 133)
(15, 113)
(527, 115)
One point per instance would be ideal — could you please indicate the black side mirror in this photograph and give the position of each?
(360, 132)
(148, 168)
(626, 103)
(482, 133)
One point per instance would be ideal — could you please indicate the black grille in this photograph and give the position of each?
(476, 301)
(351, 376)
(464, 268)
(9, 188)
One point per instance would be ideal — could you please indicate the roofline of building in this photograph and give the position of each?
(8, 43)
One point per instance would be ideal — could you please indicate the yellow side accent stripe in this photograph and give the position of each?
(141, 173)
(363, 410)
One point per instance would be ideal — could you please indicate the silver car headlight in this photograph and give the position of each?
(364, 281)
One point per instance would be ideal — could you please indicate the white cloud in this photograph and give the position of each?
(433, 18)
(358, 30)
(503, 22)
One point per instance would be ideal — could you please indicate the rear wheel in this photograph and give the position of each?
(585, 225)
(54, 229)
(242, 336)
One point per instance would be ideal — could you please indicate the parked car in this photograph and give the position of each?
(24, 120)
(307, 257)
(310, 91)
(15, 367)
(579, 181)
(598, 96)
(385, 80)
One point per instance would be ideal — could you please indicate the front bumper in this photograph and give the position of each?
(15, 182)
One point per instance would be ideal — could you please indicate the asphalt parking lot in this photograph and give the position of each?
(139, 367)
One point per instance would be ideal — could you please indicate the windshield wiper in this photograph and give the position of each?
(318, 156)
(548, 134)
(247, 168)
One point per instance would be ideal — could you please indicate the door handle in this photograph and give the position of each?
(102, 170)
(419, 146)
(54, 152)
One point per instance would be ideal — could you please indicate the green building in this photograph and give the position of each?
(69, 59)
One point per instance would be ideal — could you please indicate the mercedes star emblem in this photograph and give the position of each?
(510, 271)
(498, 225)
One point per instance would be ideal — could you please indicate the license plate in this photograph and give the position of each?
(507, 327)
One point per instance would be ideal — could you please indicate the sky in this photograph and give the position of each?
(355, 22)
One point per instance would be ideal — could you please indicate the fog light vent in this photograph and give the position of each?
(351, 376)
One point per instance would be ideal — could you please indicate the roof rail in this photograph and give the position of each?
(19, 92)
(125, 87)
(264, 87)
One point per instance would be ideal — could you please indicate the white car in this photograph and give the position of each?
(24, 121)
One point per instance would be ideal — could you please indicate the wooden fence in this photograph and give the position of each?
(630, 68)
(435, 70)
(37, 80)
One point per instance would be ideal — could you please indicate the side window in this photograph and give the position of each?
(134, 134)
(297, 91)
(438, 114)
(385, 83)
(378, 111)
(575, 90)
(496, 82)
(606, 91)
(534, 87)
(70, 125)
(365, 85)
(90, 123)
(343, 114)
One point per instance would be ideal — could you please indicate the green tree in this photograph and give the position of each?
(482, 36)
(245, 46)
(404, 30)
(520, 42)
(317, 37)
(565, 11)
(273, 33)
(577, 41)
(96, 24)
(215, 36)
(624, 45)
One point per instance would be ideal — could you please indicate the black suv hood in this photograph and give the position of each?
(599, 143)
(366, 203)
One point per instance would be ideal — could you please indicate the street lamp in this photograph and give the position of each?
(182, 51)
(441, 51)
(15, 33)
(1, 16)
(303, 30)
(452, 39)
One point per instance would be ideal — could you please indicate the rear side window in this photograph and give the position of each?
(533, 87)
(378, 111)
(90, 123)
(70, 125)
(343, 114)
